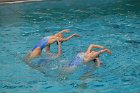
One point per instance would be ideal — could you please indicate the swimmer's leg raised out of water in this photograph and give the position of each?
(35, 53)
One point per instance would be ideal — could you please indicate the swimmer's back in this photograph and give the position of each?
(78, 59)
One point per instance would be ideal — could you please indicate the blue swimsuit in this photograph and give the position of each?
(77, 60)
(42, 43)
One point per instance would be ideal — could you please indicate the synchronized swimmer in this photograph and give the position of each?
(46, 42)
(89, 55)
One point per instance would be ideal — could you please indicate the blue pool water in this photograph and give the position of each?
(114, 24)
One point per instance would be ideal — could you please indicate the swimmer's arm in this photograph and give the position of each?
(64, 31)
(61, 32)
(54, 56)
(68, 38)
(59, 49)
(93, 46)
(98, 62)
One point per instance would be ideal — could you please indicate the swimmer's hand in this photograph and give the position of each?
(108, 51)
(76, 35)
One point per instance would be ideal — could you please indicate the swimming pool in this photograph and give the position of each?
(115, 25)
